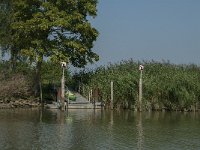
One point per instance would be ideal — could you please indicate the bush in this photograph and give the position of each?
(15, 87)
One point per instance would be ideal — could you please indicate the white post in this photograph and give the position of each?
(67, 98)
(140, 92)
(141, 68)
(91, 95)
(62, 90)
(111, 98)
(63, 64)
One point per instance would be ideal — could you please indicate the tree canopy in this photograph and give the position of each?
(5, 18)
(58, 29)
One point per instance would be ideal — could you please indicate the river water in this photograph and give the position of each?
(37, 129)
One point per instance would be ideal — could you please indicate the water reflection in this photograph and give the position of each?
(140, 137)
(97, 129)
(111, 118)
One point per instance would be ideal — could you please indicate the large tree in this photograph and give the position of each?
(58, 29)
(4, 22)
(6, 42)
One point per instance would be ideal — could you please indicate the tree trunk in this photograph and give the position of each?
(37, 86)
(13, 59)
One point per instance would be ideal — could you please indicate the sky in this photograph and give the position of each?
(148, 30)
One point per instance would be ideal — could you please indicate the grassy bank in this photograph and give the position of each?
(165, 86)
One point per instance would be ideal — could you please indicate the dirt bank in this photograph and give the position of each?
(19, 104)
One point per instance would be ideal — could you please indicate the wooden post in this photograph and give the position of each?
(140, 88)
(89, 95)
(68, 99)
(65, 106)
(93, 98)
(58, 95)
(111, 98)
(140, 92)
(62, 91)
(63, 64)
(41, 97)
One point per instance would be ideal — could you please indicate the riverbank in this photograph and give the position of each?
(20, 104)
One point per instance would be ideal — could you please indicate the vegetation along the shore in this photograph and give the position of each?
(16, 87)
(35, 36)
(165, 86)
(33, 31)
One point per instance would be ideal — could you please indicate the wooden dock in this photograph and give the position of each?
(80, 103)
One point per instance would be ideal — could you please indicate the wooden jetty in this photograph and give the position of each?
(80, 103)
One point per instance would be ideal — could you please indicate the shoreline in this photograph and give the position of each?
(35, 103)
(20, 104)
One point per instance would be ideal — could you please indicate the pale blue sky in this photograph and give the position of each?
(148, 29)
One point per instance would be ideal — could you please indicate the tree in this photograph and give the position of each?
(4, 11)
(4, 23)
(58, 29)
(8, 44)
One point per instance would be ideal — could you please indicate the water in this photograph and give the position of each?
(35, 129)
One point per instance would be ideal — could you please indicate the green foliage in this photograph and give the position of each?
(19, 84)
(165, 85)
(5, 19)
(56, 29)
(51, 74)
